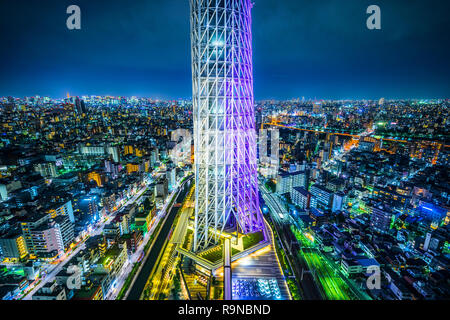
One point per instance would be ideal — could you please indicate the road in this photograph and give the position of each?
(54, 269)
(121, 279)
(137, 287)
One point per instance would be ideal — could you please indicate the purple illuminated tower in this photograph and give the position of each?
(226, 193)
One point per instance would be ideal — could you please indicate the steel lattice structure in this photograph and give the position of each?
(224, 120)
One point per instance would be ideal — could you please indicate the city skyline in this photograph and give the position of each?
(301, 50)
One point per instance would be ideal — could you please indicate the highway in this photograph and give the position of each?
(137, 287)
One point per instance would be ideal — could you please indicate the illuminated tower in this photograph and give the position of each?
(226, 193)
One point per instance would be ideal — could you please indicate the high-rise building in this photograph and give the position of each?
(12, 245)
(226, 188)
(62, 209)
(317, 107)
(338, 201)
(288, 180)
(100, 151)
(322, 198)
(113, 152)
(47, 169)
(8, 186)
(427, 241)
(88, 208)
(301, 197)
(80, 106)
(171, 175)
(48, 237)
(162, 188)
(154, 158)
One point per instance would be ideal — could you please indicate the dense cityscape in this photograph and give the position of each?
(94, 183)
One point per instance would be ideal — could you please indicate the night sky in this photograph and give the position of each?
(312, 48)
